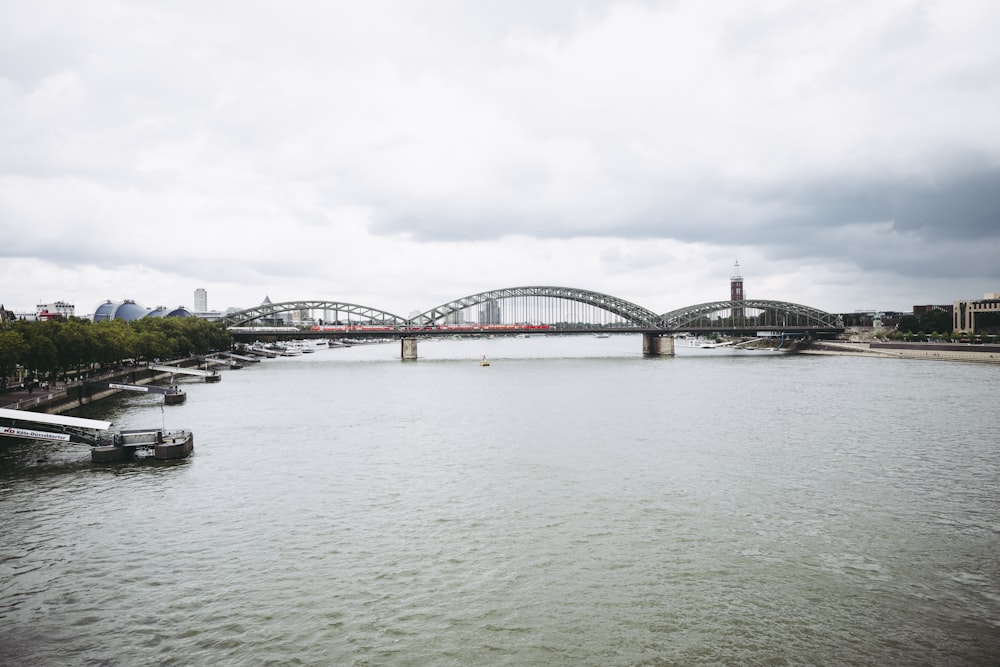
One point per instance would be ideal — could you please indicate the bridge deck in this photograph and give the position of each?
(183, 371)
(56, 420)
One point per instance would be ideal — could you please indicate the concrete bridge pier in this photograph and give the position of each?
(408, 348)
(658, 344)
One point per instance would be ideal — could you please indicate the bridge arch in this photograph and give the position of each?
(753, 313)
(341, 310)
(626, 310)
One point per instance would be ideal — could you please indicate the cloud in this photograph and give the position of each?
(362, 147)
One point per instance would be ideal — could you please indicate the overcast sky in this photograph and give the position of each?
(404, 154)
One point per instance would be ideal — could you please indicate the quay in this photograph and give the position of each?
(988, 354)
(62, 397)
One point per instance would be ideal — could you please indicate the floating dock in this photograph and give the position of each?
(106, 445)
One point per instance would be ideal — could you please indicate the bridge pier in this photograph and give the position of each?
(408, 348)
(658, 345)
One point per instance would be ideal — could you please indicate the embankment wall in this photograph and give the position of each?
(989, 354)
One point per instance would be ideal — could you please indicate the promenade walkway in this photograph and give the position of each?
(23, 397)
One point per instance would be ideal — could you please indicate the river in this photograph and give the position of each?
(574, 503)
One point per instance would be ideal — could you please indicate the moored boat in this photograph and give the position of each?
(755, 347)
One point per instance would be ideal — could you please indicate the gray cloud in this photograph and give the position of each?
(277, 143)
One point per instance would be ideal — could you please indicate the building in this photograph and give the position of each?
(163, 311)
(127, 310)
(978, 317)
(130, 311)
(736, 289)
(489, 312)
(58, 309)
(920, 310)
(200, 301)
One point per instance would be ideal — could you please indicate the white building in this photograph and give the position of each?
(200, 301)
(46, 311)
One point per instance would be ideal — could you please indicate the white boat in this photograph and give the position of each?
(284, 350)
(690, 346)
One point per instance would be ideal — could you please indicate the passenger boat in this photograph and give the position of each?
(691, 346)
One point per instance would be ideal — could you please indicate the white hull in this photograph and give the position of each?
(699, 347)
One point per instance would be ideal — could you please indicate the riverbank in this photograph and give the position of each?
(989, 354)
(61, 397)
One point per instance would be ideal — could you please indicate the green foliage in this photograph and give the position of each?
(932, 320)
(12, 348)
(53, 346)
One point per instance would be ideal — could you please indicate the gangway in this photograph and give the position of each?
(240, 357)
(105, 444)
(210, 376)
(172, 395)
(72, 429)
(219, 361)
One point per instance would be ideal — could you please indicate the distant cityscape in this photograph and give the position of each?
(967, 315)
(128, 310)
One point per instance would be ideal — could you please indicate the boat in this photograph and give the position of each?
(602, 335)
(754, 347)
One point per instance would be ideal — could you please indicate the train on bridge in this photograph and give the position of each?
(392, 328)
(454, 328)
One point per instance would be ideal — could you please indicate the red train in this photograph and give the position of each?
(455, 328)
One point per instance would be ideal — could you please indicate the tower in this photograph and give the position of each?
(200, 301)
(736, 289)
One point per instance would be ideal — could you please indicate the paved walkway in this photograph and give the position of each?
(11, 398)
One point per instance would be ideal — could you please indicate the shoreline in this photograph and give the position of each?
(984, 354)
(64, 397)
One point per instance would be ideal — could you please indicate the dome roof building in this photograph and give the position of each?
(129, 311)
(105, 311)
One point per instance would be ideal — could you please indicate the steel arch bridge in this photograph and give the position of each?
(564, 308)
(340, 309)
(626, 310)
(748, 315)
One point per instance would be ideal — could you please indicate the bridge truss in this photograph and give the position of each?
(560, 307)
(333, 311)
(749, 315)
(553, 308)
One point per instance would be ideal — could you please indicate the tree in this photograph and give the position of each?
(75, 345)
(12, 350)
(42, 354)
(114, 341)
(151, 345)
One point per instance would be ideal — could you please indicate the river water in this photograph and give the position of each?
(572, 504)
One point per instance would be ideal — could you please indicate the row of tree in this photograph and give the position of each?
(46, 349)
(940, 337)
(930, 320)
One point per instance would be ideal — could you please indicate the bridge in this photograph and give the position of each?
(536, 310)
